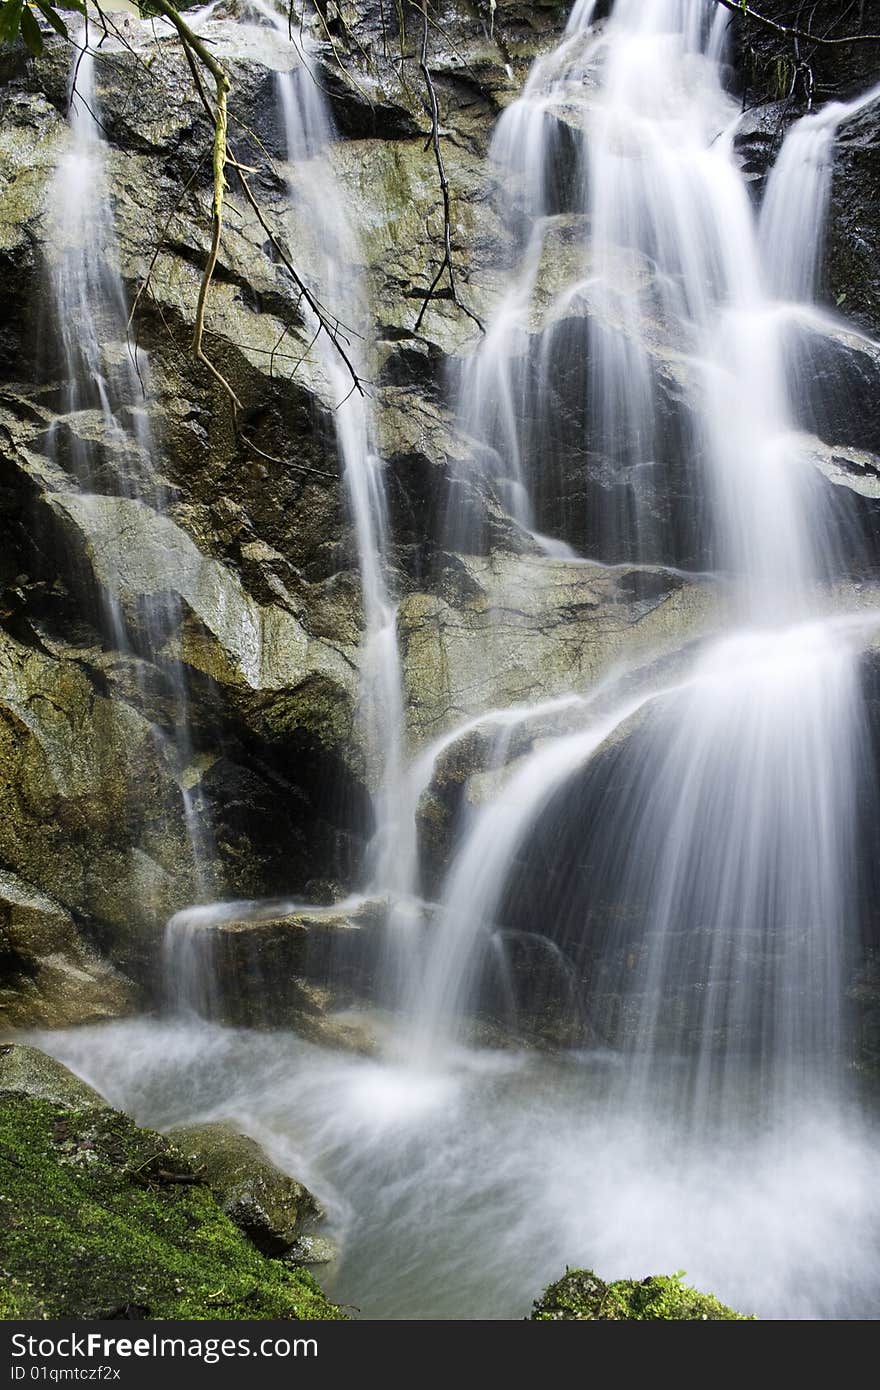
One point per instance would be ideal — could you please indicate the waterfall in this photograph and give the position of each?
(105, 375)
(682, 840)
(795, 207)
(611, 134)
(726, 837)
(319, 201)
(319, 211)
(494, 386)
(476, 879)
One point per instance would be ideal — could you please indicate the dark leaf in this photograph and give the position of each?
(30, 31)
(53, 17)
(10, 20)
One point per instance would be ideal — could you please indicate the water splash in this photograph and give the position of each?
(462, 1193)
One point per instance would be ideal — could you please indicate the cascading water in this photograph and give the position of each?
(689, 841)
(320, 217)
(495, 385)
(319, 202)
(795, 207)
(109, 446)
(736, 824)
(598, 132)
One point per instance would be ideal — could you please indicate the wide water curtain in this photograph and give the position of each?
(722, 847)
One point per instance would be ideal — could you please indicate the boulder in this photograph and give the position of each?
(101, 1219)
(27, 1071)
(264, 1202)
(49, 976)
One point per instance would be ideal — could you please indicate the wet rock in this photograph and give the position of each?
(263, 1201)
(759, 135)
(852, 280)
(835, 374)
(262, 652)
(49, 976)
(521, 628)
(69, 757)
(312, 1250)
(774, 65)
(281, 965)
(27, 1071)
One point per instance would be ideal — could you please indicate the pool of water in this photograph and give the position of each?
(461, 1191)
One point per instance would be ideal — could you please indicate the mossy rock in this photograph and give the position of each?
(34, 1073)
(99, 1218)
(264, 1202)
(581, 1296)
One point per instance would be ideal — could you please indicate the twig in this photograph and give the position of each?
(194, 47)
(789, 31)
(331, 326)
(446, 265)
(145, 283)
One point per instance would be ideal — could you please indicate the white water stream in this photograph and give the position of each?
(106, 375)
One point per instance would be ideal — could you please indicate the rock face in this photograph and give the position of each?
(514, 629)
(782, 75)
(101, 1219)
(253, 553)
(278, 965)
(49, 976)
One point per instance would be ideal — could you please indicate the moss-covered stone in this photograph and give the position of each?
(100, 1218)
(268, 1205)
(581, 1296)
(34, 1073)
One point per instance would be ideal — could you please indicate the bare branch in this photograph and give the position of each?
(446, 265)
(194, 47)
(789, 31)
(331, 325)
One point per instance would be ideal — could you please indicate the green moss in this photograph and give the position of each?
(582, 1296)
(94, 1219)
